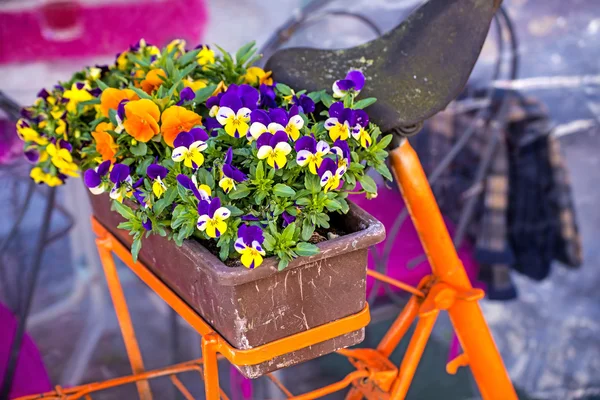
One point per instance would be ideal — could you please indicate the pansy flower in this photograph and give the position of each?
(105, 143)
(202, 192)
(355, 81)
(261, 123)
(290, 120)
(267, 96)
(212, 217)
(175, 120)
(287, 218)
(34, 155)
(195, 85)
(338, 123)
(178, 45)
(186, 94)
(360, 121)
(230, 175)
(205, 56)
(249, 245)
(93, 178)
(153, 80)
(234, 109)
(77, 94)
(28, 134)
(274, 148)
(141, 119)
(61, 157)
(142, 198)
(38, 175)
(122, 182)
(147, 224)
(304, 103)
(157, 173)
(189, 147)
(342, 150)
(330, 174)
(111, 99)
(257, 75)
(310, 152)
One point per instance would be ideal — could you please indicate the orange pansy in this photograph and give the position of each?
(175, 120)
(111, 98)
(153, 80)
(105, 144)
(141, 119)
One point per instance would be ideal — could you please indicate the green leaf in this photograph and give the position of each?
(347, 101)
(333, 205)
(311, 182)
(206, 178)
(284, 89)
(235, 212)
(125, 225)
(240, 192)
(170, 67)
(101, 85)
(167, 199)
(282, 190)
(260, 170)
(304, 249)
(188, 57)
(122, 209)
(224, 252)
(288, 232)
(203, 94)
(315, 96)
(112, 115)
(364, 103)
(384, 142)
(269, 243)
(322, 220)
(327, 99)
(307, 229)
(242, 53)
(283, 263)
(304, 201)
(368, 183)
(136, 246)
(140, 149)
(140, 92)
(384, 171)
(345, 206)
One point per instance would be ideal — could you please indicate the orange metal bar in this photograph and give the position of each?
(334, 387)
(238, 357)
(181, 387)
(466, 316)
(390, 341)
(280, 385)
(413, 354)
(210, 344)
(120, 305)
(395, 282)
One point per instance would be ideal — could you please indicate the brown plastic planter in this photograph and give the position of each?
(252, 307)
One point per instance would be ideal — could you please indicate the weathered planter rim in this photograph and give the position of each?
(372, 234)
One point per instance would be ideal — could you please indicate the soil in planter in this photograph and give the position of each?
(320, 235)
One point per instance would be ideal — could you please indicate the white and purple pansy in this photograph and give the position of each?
(330, 174)
(189, 147)
(212, 217)
(290, 120)
(354, 81)
(230, 175)
(261, 123)
(123, 184)
(202, 192)
(310, 152)
(249, 245)
(342, 150)
(338, 123)
(93, 178)
(234, 109)
(360, 121)
(157, 173)
(274, 148)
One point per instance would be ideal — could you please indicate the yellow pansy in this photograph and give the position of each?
(257, 75)
(77, 94)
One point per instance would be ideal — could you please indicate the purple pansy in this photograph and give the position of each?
(186, 94)
(95, 92)
(267, 96)
(212, 217)
(250, 217)
(93, 177)
(230, 175)
(147, 224)
(122, 181)
(157, 173)
(261, 122)
(121, 109)
(355, 80)
(202, 192)
(287, 218)
(342, 150)
(330, 174)
(249, 245)
(32, 155)
(274, 148)
(304, 103)
(359, 123)
(310, 152)
(43, 94)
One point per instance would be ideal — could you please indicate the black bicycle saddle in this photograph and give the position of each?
(414, 70)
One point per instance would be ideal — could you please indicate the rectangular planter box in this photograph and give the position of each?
(252, 307)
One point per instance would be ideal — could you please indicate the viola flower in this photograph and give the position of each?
(267, 96)
(141, 198)
(186, 94)
(342, 150)
(338, 123)
(141, 119)
(287, 218)
(304, 103)
(153, 80)
(330, 174)
(77, 94)
(111, 99)
(147, 224)
(38, 175)
(34, 156)
(359, 131)
(205, 56)
(94, 73)
(157, 173)
(212, 217)
(202, 192)
(258, 76)
(28, 134)
(249, 245)
(175, 120)
(62, 159)
(310, 153)
(122, 182)
(354, 81)
(274, 148)
(290, 120)
(189, 147)
(105, 143)
(261, 123)
(230, 175)
(195, 85)
(179, 45)
(234, 109)
(93, 178)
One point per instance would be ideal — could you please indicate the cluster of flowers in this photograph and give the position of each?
(191, 143)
